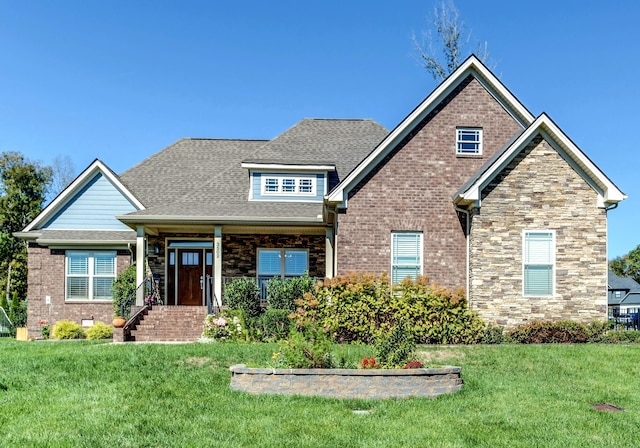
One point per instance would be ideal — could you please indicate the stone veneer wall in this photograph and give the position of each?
(539, 190)
(47, 278)
(240, 252)
(411, 189)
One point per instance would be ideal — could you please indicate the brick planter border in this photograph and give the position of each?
(348, 383)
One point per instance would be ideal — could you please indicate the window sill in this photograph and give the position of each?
(469, 156)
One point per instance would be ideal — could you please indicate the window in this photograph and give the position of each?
(289, 185)
(406, 255)
(469, 141)
(284, 263)
(90, 275)
(538, 263)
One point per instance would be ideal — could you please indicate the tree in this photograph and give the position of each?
(63, 173)
(627, 265)
(454, 39)
(23, 188)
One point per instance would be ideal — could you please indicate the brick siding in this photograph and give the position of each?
(539, 190)
(46, 277)
(411, 189)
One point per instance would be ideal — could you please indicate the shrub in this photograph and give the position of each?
(123, 288)
(397, 348)
(65, 329)
(228, 325)
(493, 335)
(362, 307)
(274, 324)
(99, 330)
(307, 349)
(621, 337)
(282, 292)
(243, 294)
(548, 332)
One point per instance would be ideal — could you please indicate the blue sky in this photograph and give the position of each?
(120, 80)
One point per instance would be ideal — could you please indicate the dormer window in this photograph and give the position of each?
(468, 141)
(288, 185)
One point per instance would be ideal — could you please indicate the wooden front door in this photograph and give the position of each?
(190, 274)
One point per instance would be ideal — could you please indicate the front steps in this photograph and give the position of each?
(164, 323)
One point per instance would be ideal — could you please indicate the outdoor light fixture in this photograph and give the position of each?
(156, 248)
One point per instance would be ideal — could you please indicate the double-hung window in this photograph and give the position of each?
(406, 255)
(538, 263)
(90, 274)
(282, 263)
(469, 141)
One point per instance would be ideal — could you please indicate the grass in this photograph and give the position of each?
(88, 394)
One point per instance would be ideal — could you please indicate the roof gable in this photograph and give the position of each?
(91, 201)
(608, 193)
(472, 66)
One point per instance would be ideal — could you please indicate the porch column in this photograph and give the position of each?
(329, 245)
(140, 260)
(217, 265)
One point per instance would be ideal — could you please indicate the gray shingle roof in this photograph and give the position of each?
(622, 283)
(205, 178)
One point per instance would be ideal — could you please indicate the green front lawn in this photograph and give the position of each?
(78, 393)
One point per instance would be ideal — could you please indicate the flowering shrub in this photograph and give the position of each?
(45, 329)
(222, 328)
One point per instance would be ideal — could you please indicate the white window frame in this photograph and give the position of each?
(551, 261)
(460, 131)
(420, 254)
(283, 253)
(288, 185)
(90, 275)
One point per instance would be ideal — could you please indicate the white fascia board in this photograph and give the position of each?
(163, 219)
(285, 167)
(471, 66)
(76, 185)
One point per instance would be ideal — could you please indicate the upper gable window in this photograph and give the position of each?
(288, 185)
(468, 141)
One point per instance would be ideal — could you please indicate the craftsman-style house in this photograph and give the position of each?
(470, 189)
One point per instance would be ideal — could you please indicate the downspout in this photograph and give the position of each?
(468, 237)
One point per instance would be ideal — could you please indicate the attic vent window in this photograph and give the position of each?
(469, 141)
(288, 185)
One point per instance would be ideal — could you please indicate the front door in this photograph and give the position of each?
(190, 277)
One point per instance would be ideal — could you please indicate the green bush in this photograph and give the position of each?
(282, 292)
(122, 289)
(99, 330)
(228, 325)
(621, 337)
(362, 307)
(558, 332)
(65, 329)
(274, 325)
(397, 348)
(243, 294)
(306, 349)
(493, 335)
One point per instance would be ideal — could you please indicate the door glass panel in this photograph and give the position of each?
(190, 259)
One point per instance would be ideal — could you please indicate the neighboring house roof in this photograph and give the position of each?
(608, 193)
(629, 287)
(204, 180)
(472, 66)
